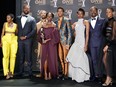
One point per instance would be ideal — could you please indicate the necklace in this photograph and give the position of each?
(10, 25)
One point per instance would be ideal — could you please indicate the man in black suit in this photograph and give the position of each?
(26, 30)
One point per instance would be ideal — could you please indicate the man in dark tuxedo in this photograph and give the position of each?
(96, 42)
(26, 30)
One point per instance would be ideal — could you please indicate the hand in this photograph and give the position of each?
(42, 35)
(23, 37)
(105, 48)
(45, 41)
(85, 48)
(67, 47)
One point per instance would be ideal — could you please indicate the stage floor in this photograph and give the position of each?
(39, 82)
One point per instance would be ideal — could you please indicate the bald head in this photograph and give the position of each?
(93, 11)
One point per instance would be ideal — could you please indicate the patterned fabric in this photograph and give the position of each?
(65, 31)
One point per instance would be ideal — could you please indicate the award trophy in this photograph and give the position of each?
(42, 35)
(28, 2)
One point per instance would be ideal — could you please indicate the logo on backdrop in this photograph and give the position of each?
(99, 12)
(67, 2)
(55, 14)
(96, 1)
(40, 2)
(54, 3)
(113, 3)
(81, 3)
(69, 13)
(27, 2)
(115, 13)
(86, 14)
(38, 13)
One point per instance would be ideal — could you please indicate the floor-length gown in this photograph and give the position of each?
(77, 58)
(49, 50)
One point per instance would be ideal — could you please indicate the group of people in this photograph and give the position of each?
(81, 60)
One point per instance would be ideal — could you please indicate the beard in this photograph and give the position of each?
(43, 17)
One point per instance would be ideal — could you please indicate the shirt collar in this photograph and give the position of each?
(60, 19)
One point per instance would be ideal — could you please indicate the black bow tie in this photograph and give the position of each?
(24, 15)
(93, 19)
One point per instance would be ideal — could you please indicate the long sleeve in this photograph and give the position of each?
(55, 36)
(69, 41)
(33, 26)
(39, 37)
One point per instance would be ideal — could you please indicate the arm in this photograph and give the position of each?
(33, 26)
(16, 30)
(73, 28)
(39, 26)
(69, 28)
(114, 30)
(87, 34)
(55, 36)
(3, 32)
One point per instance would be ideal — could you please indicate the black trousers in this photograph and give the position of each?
(24, 56)
(111, 60)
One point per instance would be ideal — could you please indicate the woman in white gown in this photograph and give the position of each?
(77, 58)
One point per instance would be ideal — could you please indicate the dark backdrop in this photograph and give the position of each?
(70, 6)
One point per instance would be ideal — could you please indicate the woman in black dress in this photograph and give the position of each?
(110, 48)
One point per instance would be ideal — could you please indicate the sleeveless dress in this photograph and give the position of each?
(77, 58)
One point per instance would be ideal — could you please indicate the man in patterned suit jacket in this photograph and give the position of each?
(64, 26)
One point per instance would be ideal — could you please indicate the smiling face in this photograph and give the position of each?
(49, 16)
(60, 12)
(43, 14)
(93, 12)
(109, 13)
(26, 9)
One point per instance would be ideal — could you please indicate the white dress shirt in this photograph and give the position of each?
(23, 21)
(93, 21)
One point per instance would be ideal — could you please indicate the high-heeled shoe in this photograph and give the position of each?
(46, 77)
(50, 76)
(8, 77)
(10, 74)
(105, 84)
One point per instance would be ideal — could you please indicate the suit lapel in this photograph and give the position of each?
(56, 23)
(62, 23)
(20, 21)
(26, 22)
(96, 23)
